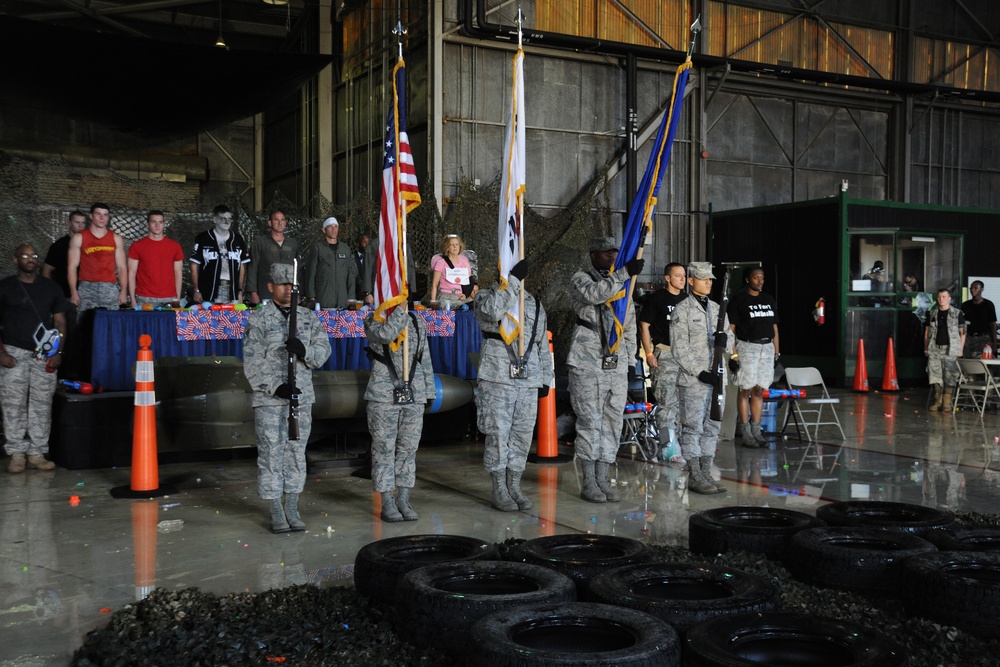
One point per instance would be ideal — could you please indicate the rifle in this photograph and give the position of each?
(718, 367)
(293, 332)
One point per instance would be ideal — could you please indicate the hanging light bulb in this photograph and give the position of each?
(221, 43)
(275, 2)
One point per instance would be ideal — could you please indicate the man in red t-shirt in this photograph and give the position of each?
(97, 276)
(155, 265)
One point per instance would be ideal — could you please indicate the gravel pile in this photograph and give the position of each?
(336, 626)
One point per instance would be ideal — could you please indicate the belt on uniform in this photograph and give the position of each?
(223, 282)
(589, 325)
(757, 341)
(493, 336)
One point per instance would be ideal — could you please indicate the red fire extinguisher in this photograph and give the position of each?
(819, 312)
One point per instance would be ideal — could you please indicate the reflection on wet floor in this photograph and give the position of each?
(65, 564)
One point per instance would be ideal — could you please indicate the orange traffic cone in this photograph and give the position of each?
(145, 473)
(548, 437)
(861, 369)
(144, 520)
(889, 380)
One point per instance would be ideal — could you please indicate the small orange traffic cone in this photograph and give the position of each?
(889, 380)
(861, 369)
(548, 437)
(145, 471)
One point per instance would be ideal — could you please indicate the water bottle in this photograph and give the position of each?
(170, 525)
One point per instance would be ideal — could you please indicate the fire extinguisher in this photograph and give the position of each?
(819, 312)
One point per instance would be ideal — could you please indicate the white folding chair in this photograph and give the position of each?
(817, 398)
(976, 382)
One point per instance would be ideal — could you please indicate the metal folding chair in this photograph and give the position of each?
(976, 382)
(817, 399)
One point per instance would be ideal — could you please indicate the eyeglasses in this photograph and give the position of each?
(25, 255)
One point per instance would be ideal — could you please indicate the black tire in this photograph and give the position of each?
(581, 557)
(379, 566)
(986, 538)
(788, 638)
(573, 633)
(684, 594)
(865, 560)
(438, 604)
(955, 588)
(897, 517)
(757, 529)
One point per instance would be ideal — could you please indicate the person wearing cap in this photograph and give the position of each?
(274, 247)
(753, 317)
(654, 329)
(692, 341)
(395, 416)
(510, 385)
(281, 463)
(218, 260)
(598, 378)
(330, 273)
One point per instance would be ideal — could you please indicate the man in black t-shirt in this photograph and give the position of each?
(31, 306)
(57, 259)
(753, 316)
(980, 315)
(654, 329)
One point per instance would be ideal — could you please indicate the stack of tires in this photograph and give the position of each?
(596, 600)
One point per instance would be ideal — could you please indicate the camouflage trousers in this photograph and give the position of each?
(506, 415)
(941, 369)
(395, 431)
(153, 301)
(665, 391)
(598, 399)
(26, 398)
(98, 295)
(974, 346)
(700, 435)
(281, 463)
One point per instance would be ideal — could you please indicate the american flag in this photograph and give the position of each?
(400, 195)
(512, 186)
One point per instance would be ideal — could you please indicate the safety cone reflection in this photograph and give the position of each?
(890, 382)
(548, 487)
(861, 369)
(145, 470)
(144, 520)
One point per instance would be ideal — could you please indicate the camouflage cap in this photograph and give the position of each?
(700, 270)
(602, 243)
(282, 274)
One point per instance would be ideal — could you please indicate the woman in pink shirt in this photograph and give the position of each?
(452, 273)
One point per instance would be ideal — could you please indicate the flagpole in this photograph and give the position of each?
(647, 218)
(520, 224)
(402, 212)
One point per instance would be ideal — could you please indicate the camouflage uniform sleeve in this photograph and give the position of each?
(681, 345)
(586, 290)
(492, 303)
(383, 333)
(256, 365)
(318, 348)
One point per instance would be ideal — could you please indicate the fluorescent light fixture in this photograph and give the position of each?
(923, 239)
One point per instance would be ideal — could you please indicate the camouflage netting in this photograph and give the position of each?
(555, 245)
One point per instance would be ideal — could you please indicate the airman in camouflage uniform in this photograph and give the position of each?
(692, 341)
(396, 428)
(944, 340)
(27, 377)
(507, 406)
(281, 462)
(597, 393)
